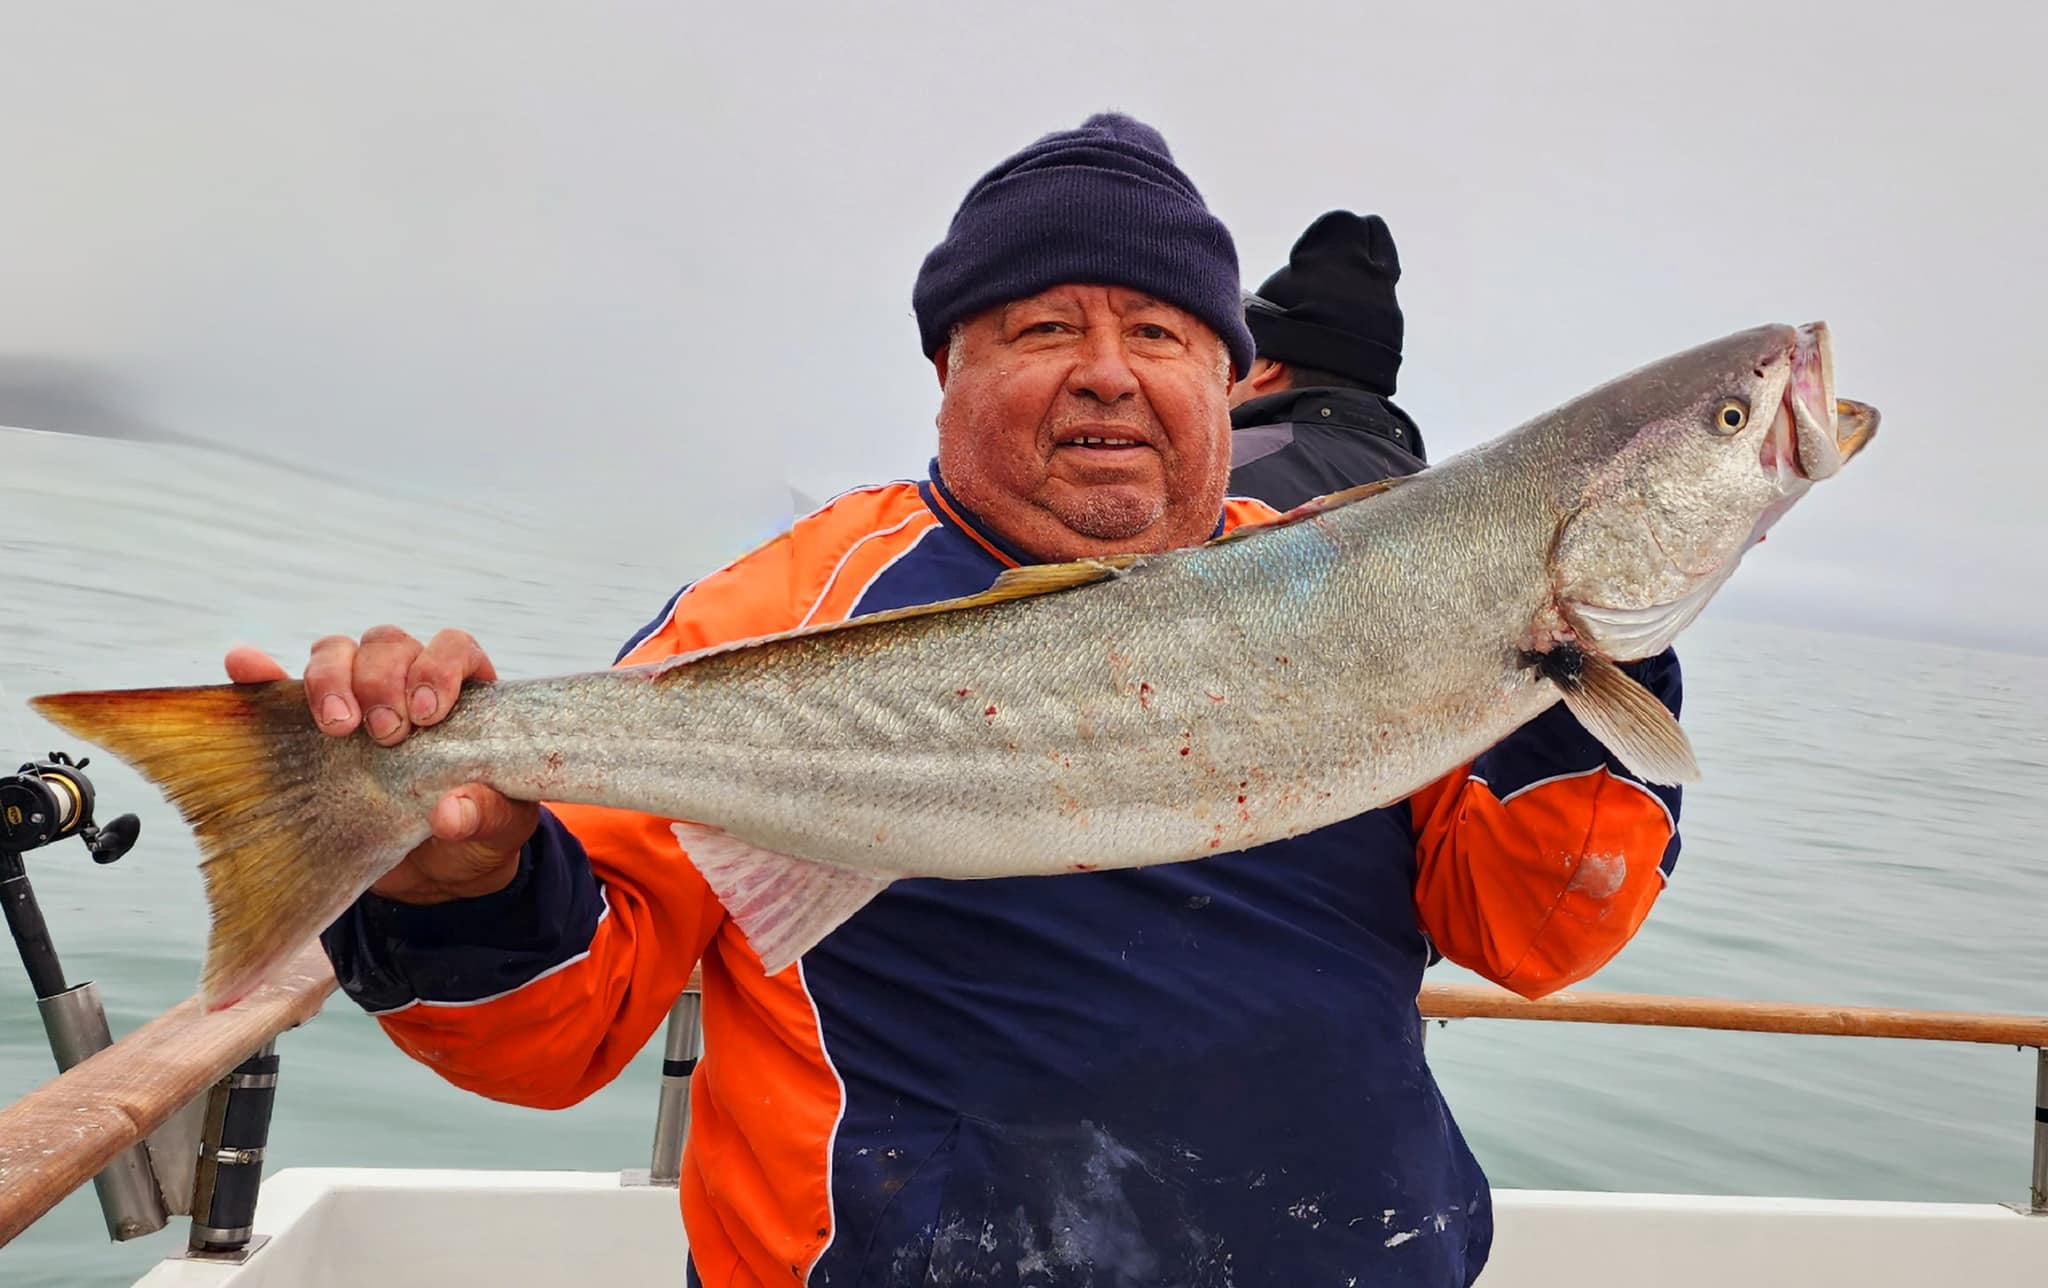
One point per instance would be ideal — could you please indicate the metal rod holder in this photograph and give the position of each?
(685, 1043)
(231, 1147)
(2039, 1203)
(76, 1023)
(129, 1198)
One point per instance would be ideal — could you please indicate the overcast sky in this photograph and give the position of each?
(655, 259)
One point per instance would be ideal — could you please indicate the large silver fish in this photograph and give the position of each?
(1105, 714)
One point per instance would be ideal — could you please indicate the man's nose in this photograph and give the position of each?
(1102, 370)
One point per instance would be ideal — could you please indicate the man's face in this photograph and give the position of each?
(1087, 420)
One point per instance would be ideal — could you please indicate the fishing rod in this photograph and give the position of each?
(209, 1160)
(42, 803)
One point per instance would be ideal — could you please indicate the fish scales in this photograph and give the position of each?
(1028, 737)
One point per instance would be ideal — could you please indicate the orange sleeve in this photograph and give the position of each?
(577, 1010)
(1542, 889)
(555, 1039)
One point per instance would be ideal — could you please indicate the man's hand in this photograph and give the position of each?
(391, 684)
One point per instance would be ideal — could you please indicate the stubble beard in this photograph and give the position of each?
(1109, 513)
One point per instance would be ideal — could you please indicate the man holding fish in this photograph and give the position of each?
(1140, 1077)
(1061, 921)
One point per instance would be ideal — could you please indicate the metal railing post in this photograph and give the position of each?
(230, 1164)
(685, 1043)
(2039, 1204)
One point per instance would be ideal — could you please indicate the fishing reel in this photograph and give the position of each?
(48, 800)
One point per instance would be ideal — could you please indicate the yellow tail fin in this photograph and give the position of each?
(291, 825)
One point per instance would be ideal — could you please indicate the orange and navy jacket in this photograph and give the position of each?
(1175, 1074)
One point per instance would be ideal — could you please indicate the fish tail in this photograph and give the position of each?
(291, 824)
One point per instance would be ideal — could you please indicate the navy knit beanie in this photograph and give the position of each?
(1332, 305)
(1102, 204)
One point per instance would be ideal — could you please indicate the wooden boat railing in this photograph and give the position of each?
(1479, 1001)
(58, 1137)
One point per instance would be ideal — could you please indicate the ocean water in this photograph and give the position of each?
(1869, 831)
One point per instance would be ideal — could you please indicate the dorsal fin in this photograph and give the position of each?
(1029, 580)
(1309, 509)
(1023, 582)
(1042, 579)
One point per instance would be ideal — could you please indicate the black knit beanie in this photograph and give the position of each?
(1332, 305)
(1102, 204)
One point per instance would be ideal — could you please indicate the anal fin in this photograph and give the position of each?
(784, 905)
(1626, 717)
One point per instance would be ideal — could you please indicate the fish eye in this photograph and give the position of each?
(1731, 416)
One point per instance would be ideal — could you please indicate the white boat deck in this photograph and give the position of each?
(364, 1228)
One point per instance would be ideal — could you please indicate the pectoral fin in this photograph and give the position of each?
(1626, 717)
(784, 905)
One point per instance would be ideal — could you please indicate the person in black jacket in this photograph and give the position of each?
(1315, 414)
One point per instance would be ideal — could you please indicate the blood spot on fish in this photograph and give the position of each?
(1083, 867)
(1217, 697)
(1145, 695)
(990, 710)
(1241, 797)
(961, 693)
(1185, 750)
(1215, 842)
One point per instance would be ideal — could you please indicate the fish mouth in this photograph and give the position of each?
(1815, 433)
(1855, 425)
